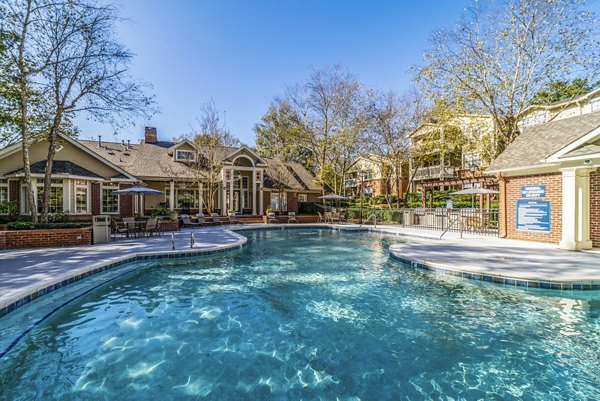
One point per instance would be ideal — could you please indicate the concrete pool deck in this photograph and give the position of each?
(22, 271)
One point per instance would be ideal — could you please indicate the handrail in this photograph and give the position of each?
(369, 218)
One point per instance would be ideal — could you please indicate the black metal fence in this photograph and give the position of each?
(467, 220)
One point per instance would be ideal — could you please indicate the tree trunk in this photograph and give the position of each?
(52, 143)
(24, 114)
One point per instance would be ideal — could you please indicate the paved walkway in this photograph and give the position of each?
(22, 270)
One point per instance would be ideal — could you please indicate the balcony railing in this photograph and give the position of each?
(434, 173)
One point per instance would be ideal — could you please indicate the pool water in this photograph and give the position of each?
(308, 315)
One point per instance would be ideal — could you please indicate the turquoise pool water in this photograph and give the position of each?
(306, 315)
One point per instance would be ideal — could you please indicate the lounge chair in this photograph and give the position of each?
(320, 220)
(203, 221)
(272, 218)
(233, 219)
(292, 217)
(116, 230)
(188, 223)
(215, 218)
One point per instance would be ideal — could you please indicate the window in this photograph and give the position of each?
(110, 202)
(3, 191)
(55, 204)
(81, 197)
(595, 104)
(534, 119)
(302, 198)
(471, 160)
(186, 199)
(184, 155)
(279, 202)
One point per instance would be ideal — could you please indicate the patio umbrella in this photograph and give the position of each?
(333, 197)
(473, 192)
(137, 190)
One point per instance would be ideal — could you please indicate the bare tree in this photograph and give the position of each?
(501, 53)
(213, 141)
(88, 73)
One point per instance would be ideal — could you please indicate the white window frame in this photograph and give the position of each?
(85, 186)
(302, 198)
(4, 184)
(196, 200)
(113, 187)
(54, 183)
(184, 159)
(473, 158)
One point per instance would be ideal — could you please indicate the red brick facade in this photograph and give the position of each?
(13, 191)
(96, 194)
(126, 202)
(553, 183)
(595, 208)
(45, 238)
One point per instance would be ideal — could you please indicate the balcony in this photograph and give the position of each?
(434, 173)
(351, 183)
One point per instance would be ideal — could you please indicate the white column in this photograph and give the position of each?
(68, 195)
(254, 190)
(230, 206)
(260, 194)
(172, 197)
(224, 194)
(575, 209)
(200, 198)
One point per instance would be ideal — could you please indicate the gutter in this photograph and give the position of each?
(502, 182)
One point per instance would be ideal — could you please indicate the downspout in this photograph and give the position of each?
(502, 182)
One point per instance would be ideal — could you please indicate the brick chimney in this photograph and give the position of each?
(150, 135)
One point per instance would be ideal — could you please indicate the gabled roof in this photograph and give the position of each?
(543, 144)
(230, 157)
(292, 175)
(59, 167)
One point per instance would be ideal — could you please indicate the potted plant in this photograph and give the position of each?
(231, 212)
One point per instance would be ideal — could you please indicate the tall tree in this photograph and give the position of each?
(562, 90)
(501, 53)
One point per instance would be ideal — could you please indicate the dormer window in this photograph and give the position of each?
(184, 156)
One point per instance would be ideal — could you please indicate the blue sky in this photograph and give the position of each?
(243, 53)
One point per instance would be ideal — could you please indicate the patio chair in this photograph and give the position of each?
(151, 226)
(233, 219)
(320, 220)
(292, 217)
(271, 218)
(189, 223)
(116, 230)
(328, 217)
(215, 218)
(131, 226)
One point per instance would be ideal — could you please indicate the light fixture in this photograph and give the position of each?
(587, 161)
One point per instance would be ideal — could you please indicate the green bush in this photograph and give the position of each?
(161, 211)
(25, 225)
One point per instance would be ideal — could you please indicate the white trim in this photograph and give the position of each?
(241, 167)
(590, 136)
(514, 169)
(112, 188)
(258, 158)
(581, 157)
(178, 159)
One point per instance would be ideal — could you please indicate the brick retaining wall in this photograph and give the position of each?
(45, 238)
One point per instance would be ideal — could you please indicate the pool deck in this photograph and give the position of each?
(23, 271)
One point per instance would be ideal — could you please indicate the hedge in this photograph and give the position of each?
(26, 225)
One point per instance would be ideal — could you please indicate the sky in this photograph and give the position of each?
(241, 54)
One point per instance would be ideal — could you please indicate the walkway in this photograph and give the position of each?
(24, 269)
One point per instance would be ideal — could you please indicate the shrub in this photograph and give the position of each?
(161, 211)
(27, 225)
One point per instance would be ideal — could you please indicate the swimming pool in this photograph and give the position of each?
(305, 314)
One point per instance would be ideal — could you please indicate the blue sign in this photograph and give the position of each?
(533, 216)
(533, 191)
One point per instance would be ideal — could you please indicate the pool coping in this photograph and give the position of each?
(34, 291)
(442, 268)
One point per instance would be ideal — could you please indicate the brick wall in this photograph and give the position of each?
(126, 202)
(553, 184)
(13, 189)
(595, 208)
(96, 195)
(45, 238)
(266, 201)
(169, 225)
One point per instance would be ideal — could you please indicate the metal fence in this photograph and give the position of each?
(469, 220)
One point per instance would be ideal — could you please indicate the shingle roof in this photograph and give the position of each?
(538, 142)
(59, 167)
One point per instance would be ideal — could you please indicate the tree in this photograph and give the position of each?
(211, 139)
(501, 53)
(562, 90)
(393, 118)
(324, 117)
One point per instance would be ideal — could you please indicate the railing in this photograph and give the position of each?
(477, 221)
(434, 172)
(371, 217)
